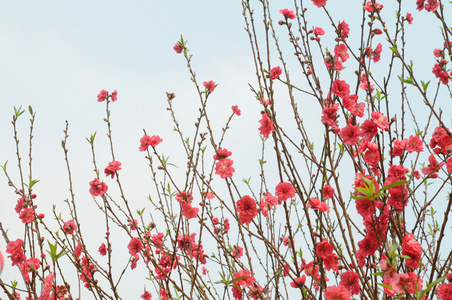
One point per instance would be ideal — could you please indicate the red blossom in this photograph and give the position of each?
(236, 110)
(445, 291)
(102, 96)
(135, 246)
(324, 249)
(14, 248)
(328, 192)
(350, 280)
(237, 251)
(188, 211)
(344, 30)
(319, 3)
(247, 209)
(337, 293)
(245, 282)
(178, 47)
(266, 126)
(27, 215)
(275, 72)
(224, 168)
(350, 134)
(69, 227)
(112, 168)
(329, 115)
(340, 51)
(102, 249)
(146, 296)
(318, 31)
(284, 191)
(368, 130)
(209, 85)
(97, 188)
(414, 144)
(380, 120)
(222, 153)
(114, 96)
(298, 282)
(147, 141)
(413, 249)
(287, 13)
(340, 88)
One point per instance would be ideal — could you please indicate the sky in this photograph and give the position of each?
(56, 56)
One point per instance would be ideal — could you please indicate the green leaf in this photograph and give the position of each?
(408, 80)
(30, 110)
(18, 111)
(394, 49)
(425, 85)
(431, 285)
(4, 166)
(394, 184)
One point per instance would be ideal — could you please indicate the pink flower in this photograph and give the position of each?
(329, 115)
(209, 85)
(78, 250)
(147, 141)
(245, 282)
(135, 246)
(445, 291)
(222, 153)
(284, 191)
(433, 167)
(340, 88)
(275, 72)
(328, 192)
(319, 3)
(236, 110)
(368, 130)
(432, 5)
(102, 96)
(224, 168)
(2, 262)
(337, 293)
(97, 188)
(288, 14)
(69, 227)
(17, 252)
(324, 249)
(237, 251)
(413, 249)
(340, 51)
(380, 120)
(266, 126)
(188, 211)
(28, 266)
(439, 73)
(409, 18)
(146, 296)
(371, 8)
(344, 30)
(318, 31)
(178, 47)
(114, 96)
(414, 144)
(298, 282)
(350, 134)
(247, 209)
(350, 280)
(112, 168)
(103, 249)
(376, 54)
(27, 215)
